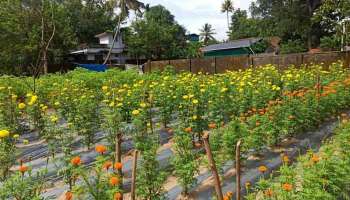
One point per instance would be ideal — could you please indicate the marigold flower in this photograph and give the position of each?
(212, 125)
(285, 159)
(229, 194)
(113, 181)
(104, 88)
(117, 196)
(268, 192)
(75, 161)
(247, 184)
(23, 169)
(107, 165)
(21, 106)
(118, 165)
(188, 130)
(262, 169)
(315, 158)
(135, 112)
(101, 149)
(287, 187)
(143, 105)
(25, 141)
(195, 101)
(33, 99)
(68, 195)
(4, 133)
(15, 136)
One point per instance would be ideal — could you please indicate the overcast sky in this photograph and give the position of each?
(193, 14)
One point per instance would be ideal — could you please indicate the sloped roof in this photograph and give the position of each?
(232, 44)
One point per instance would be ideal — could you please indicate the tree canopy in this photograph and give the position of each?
(156, 35)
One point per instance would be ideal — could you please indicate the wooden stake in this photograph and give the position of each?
(238, 170)
(213, 166)
(118, 157)
(133, 181)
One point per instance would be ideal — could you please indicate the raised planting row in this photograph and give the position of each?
(321, 175)
(264, 104)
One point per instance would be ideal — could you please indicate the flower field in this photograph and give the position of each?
(322, 175)
(103, 111)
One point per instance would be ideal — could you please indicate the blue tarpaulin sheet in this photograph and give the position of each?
(93, 67)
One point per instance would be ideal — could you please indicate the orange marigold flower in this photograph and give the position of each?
(113, 181)
(69, 195)
(257, 123)
(226, 198)
(212, 125)
(268, 192)
(23, 169)
(75, 161)
(101, 149)
(107, 165)
(262, 169)
(118, 165)
(229, 194)
(117, 196)
(285, 159)
(315, 158)
(188, 130)
(287, 187)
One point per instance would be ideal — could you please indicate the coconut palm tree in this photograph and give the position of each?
(125, 6)
(207, 33)
(227, 7)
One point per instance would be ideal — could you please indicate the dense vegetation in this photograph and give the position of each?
(261, 105)
(322, 175)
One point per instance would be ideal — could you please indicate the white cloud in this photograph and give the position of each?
(193, 14)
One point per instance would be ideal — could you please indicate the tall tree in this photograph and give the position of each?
(288, 19)
(227, 7)
(156, 36)
(206, 33)
(125, 6)
(242, 26)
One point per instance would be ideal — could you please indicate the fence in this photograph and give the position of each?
(221, 64)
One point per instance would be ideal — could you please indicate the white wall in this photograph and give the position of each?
(108, 40)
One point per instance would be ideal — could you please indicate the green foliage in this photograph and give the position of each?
(185, 160)
(206, 34)
(330, 43)
(156, 36)
(242, 26)
(23, 187)
(293, 46)
(315, 176)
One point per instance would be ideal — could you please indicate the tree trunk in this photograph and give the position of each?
(116, 34)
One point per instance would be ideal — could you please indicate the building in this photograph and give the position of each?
(240, 47)
(97, 53)
(192, 37)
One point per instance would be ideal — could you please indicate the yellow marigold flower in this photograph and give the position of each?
(112, 104)
(185, 97)
(224, 89)
(15, 136)
(135, 112)
(54, 119)
(143, 105)
(195, 101)
(21, 106)
(194, 117)
(57, 103)
(104, 88)
(33, 99)
(4, 133)
(119, 104)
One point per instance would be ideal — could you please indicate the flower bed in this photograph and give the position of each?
(322, 175)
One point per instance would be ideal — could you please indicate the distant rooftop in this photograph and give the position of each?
(242, 43)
